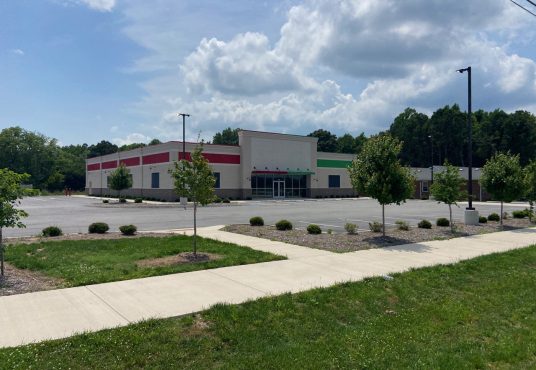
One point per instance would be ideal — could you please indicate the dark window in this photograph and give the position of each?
(424, 185)
(334, 181)
(217, 176)
(155, 180)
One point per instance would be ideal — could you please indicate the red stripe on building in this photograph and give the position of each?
(216, 158)
(109, 164)
(93, 167)
(134, 161)
(156, 158)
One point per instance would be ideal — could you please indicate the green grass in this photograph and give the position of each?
(475, 314)
(83, 262)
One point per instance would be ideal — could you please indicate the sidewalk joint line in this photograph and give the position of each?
(236, 281)
(107, 304)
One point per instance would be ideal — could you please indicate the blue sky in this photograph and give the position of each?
(120, 70)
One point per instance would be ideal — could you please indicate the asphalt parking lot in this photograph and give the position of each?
(74, 214)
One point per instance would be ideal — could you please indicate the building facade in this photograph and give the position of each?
(262, 165)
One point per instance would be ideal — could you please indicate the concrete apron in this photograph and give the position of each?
(34, 317)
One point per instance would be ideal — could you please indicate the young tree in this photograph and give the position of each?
(377, 172)
(10, 193)
(530, 186)
(447, 188)
(502, 177)
(120, 179)
(194, 179)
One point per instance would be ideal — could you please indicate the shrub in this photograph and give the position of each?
(256, 221)
(442, 221)
(402, 225)
(122, 200)
(376, 226)
(314, 229)
(283, 225)
(217, 200)
(226, 200)
(329, 231)
(51, 231)
(425, 224)
(505, 215)
(350, 228)
(482, 220)
(138, 200)
(98, 228)
(105, 201)
(521, 214)
(494, 217)
(128, 229)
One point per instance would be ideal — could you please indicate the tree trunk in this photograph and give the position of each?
(383, 219)
(501, 213)
(450, 216)
(195, 228)
(531, 210)
(1, 254)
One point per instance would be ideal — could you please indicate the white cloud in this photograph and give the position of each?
(132, 138)
(17, 52)
(100, 5)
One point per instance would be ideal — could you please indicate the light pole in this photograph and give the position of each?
(432, 157)
(184, 200)
(471, 215)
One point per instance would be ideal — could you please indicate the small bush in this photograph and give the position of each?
(256, 221)
(482, 219)
(442, 222)
(98, 228)
(494, 217)
(283, 225)
(138, 200)
(402, 225)
(128, 229)
(425, 224)
(51, 231)
(329, 231)
(217, 200)
(105, 201)
(350, 228)
(506, 216)
(314, 229)
(521, 214)
(376, 226)
(122, 200)
(226, 200)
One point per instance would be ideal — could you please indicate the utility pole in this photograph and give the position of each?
(470, 213)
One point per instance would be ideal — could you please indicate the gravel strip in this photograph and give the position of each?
(342, 242)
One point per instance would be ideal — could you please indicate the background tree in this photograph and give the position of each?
(530, 186)
(102, 148)
(377, 172)
(327, 142)
(359, 141)
(228, 136)
(447, 188)
(194, 179)
(412, 129)
(10, 193)
(120, 179)
(346, 144)
(154, 142)
(502, 177)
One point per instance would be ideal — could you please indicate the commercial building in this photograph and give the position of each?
(262, 165)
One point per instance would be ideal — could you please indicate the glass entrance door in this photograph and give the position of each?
(279, 189)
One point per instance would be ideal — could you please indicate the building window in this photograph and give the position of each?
(334, 181)
(424, 186)
(217, 177)
(155, 180)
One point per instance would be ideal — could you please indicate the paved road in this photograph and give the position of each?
(74, 214)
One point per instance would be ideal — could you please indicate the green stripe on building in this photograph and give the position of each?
(332, 163)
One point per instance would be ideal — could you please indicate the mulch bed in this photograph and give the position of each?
(18, 281)
(342, 242)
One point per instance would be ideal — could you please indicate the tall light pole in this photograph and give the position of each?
(432, 157)
(184, 200)
(470, 211)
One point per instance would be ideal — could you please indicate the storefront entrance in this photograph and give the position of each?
(279, 189)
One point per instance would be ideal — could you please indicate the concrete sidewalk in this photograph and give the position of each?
(33, 317)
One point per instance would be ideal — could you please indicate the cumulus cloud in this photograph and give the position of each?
(17, 52)
(100, 5)
(134, 137)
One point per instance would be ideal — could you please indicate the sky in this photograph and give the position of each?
(82, 71)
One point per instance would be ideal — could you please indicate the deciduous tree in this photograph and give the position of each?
(447, 188)
(120, 179)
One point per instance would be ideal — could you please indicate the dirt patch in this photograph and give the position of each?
(18, 281)
(342, 242)
(178, 259)
(106, 236)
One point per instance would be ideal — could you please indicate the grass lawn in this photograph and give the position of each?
(83, 262)
(476, 314)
